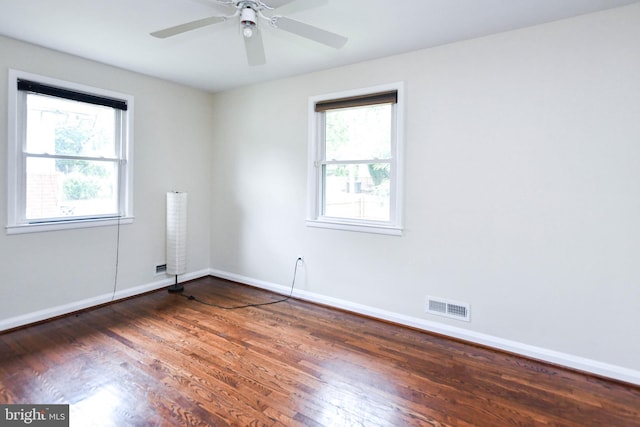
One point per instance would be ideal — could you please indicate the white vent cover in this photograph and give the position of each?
(448, 308)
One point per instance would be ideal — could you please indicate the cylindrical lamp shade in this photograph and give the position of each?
(176, 233)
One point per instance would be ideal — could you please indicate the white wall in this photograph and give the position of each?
(47, 273)
(522, 187)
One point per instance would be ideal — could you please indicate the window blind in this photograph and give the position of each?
(44, 89)
(389, 97)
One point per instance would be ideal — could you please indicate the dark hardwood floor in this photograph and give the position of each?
(162, 359)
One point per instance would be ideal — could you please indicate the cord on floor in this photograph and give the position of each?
(293, 282)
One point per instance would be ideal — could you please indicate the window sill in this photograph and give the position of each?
(390, 230)
(67, 225)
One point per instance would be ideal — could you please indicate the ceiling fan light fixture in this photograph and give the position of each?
(248, 21)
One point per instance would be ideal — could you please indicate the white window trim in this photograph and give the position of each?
(316, 129)
(14, 226)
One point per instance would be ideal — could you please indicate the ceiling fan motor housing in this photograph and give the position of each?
(248, 17)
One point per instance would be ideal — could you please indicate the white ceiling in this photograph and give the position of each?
(116, 32)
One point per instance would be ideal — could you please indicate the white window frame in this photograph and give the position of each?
(16, 191)
(316, 156)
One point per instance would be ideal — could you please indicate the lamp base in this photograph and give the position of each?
(175, 288)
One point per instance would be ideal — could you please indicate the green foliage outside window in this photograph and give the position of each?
(82, 178)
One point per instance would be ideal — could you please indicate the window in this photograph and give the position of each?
(69, 155)
(355, 160)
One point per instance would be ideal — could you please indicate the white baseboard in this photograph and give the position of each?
(49, 313)
(563, 359)
(539, 353)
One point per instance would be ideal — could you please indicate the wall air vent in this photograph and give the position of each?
(161, 269)
(448, 308)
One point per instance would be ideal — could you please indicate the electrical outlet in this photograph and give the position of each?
(161, 269)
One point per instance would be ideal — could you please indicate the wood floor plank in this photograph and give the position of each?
(164, 360)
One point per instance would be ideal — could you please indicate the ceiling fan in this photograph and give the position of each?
(249, 12)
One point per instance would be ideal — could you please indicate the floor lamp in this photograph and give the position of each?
(176, 236)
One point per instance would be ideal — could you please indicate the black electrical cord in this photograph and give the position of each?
(293, 282)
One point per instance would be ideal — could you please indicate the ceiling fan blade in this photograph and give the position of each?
(223, 7)
(310, 32)
(183, 28)
(292, 6)
(278, 3)
(255, 49)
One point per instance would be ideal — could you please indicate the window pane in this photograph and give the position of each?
(70, 188)
(62, 126)
(357, 191)
(361, 133)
